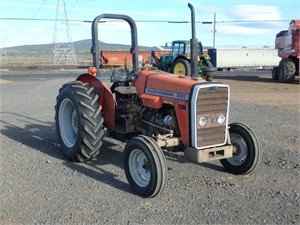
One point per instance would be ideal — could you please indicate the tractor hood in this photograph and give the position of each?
(163, 84)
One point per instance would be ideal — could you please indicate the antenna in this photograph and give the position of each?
(63, 51)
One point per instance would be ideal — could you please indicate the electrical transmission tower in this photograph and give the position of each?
(3, 55)
(63, 50)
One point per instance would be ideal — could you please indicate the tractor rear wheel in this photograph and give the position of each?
(182, 67)
(79, 121)
(287, 70)
(145, 166)
(246, 150)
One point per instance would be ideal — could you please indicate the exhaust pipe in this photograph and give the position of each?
(194, 44)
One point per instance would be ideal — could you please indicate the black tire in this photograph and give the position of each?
(145, 166)
(181, 67)
(247, 148)
(79, 121)
(287, 70)
(207, 63)
(208, 69)
(275, 72)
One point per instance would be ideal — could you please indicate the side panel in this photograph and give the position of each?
(106, 99)
(141, 81)
(232, 58)
(296, 40)
(118, 57)
(182, 114)
(151, 101)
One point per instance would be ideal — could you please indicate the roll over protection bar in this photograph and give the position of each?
(95, 49)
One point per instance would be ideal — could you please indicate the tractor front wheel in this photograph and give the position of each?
(145, 166)
(79, 122)
(246, 153)
(181, 67)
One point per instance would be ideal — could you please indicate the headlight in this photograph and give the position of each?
(203, 121)
(221, 119)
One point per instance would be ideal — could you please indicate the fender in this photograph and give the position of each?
(106, 99)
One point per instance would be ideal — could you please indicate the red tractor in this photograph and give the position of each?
(152, 111)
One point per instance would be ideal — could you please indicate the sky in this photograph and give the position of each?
(239, 23)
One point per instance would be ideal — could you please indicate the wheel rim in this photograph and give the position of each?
(139, 168)
(68, 123)
(179, 69)
(240, 150)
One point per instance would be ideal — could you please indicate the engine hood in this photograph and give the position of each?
(164, 84)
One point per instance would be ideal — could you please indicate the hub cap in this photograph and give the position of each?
(139, 168)
(68, 124)
(179, 69)
(240, 150)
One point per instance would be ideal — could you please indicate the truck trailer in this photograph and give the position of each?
(226, 59)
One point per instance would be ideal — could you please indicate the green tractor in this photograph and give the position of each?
(179, 61)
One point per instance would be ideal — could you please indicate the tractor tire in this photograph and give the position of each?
(181, 67)
(275, 72)
(145, 166)
(287, 70)
(247, 150)
(79, 121)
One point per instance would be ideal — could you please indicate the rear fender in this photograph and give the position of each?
(106, 99)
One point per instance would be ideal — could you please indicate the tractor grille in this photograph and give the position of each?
(210, 101)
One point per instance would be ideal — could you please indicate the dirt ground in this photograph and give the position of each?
(39, 186)
(262, 90)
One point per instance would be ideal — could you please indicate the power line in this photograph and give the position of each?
(72, 6)
(24, 27)
(148, 21)
(38, 10)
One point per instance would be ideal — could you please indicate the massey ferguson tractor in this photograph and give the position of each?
(288, 44)
(153, 111)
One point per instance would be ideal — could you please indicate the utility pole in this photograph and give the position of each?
(63, 51)
(214, 31)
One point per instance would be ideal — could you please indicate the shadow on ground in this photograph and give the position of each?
(41, 136)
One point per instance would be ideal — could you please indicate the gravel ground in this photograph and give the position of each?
(38, 186)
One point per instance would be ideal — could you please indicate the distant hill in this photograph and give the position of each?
(79, 46)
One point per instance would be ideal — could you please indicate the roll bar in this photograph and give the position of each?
(95, 49)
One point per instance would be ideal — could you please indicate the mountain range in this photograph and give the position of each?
(79, 46)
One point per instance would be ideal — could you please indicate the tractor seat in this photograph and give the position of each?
(122, 76)
(126, 90)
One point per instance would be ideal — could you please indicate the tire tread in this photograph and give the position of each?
(90, 131)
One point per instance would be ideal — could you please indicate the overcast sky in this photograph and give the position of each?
(228, 34)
